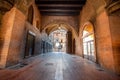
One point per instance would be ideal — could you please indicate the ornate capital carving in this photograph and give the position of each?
(6, 5)
(113, 7)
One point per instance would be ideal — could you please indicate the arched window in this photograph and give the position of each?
(88, 43)
(30, 15)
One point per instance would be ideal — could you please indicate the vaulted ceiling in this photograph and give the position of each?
(60, 7)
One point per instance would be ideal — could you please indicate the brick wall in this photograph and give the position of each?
(71, 20)
(14, 32)
(104, 42)
(106, 30)
(18, 39)
(6, 30)
(115, 34)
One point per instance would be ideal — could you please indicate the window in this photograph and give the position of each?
(30, 15)
(88, 43)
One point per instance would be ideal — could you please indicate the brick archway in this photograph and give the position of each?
(88, 42)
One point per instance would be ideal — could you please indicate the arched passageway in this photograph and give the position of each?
(62, 36)
(58, 38)
(34, 28)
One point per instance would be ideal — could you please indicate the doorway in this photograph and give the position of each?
(29, 50)
(89, 43)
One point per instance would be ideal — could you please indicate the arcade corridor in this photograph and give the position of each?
(59, 39)
(58, 66)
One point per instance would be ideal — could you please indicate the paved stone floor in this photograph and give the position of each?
(58, 66)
